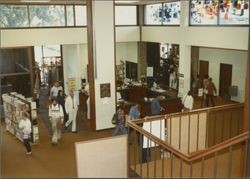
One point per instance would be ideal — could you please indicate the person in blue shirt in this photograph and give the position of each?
(134, 112)
(156, 107)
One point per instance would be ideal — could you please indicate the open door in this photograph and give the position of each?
(225, 80)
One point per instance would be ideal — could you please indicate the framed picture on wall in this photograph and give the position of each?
(105, 90)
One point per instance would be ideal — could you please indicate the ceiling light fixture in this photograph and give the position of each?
(125, 1)
(35, 1)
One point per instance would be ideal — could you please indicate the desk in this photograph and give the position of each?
(136, 94)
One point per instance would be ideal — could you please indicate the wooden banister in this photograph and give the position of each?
(203, 110)
(230, 142)
(195, 156)
(159, 141)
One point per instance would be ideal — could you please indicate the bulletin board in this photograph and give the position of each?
(72, 84)
(102, 158)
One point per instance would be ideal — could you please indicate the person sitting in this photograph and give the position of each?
(119, 119)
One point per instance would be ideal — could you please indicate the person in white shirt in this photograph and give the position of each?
(56, 118)
(25, 126)
(54, 90)
(71, 108)
(188, 101)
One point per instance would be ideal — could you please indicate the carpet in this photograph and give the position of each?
(81, 123)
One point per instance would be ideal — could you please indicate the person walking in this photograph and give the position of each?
(71, 108)
(61, 100)
(211, 91)
(56, 119)
(119, 119)
(25, 126)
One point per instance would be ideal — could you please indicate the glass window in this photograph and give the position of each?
(234, 12)
(47, 15)
(13, 16)
(51, 51)
(171, 13)
(14, 60)
(203, 12)
(125, 15)
(153, 14)
(81, 15)
(70, 15)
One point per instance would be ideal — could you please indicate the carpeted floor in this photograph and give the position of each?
(81, 122)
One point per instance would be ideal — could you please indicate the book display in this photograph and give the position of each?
(14, 105)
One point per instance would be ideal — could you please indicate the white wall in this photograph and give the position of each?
(37, 37)
(236, 58)
(126, 51)
(127, 34)
(104, 57)
(74, 63)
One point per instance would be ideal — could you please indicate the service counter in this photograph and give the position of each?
(143, 95)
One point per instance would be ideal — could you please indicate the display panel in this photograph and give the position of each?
(171, 13)
(153, 14)
(203, 12)
(14, 61)
(234, 12)
(125, 15)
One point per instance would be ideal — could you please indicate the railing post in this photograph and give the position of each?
(128, 148)
(215, 164)
(229, 162)
(163, 161)
(202, 167)
(198, 130)
(171, 165)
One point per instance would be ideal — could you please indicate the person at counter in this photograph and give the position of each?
(156, 107)
(134, 112)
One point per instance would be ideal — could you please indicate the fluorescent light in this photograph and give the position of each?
(35, 1)
(125, 1)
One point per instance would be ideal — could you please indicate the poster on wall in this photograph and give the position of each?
(105, 90)
(72, 83)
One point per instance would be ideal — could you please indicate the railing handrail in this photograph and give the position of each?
(227, 143)
(190, 158)
(203, 110)
(158, 141)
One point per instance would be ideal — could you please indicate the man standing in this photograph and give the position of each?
(56, 119)
(86, 91)
(25, 126)
(134, 112)
(71, 108)
(156, 107)
(54, 90)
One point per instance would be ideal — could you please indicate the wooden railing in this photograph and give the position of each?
(151, 151)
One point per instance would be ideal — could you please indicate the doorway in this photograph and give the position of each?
(204, 68)
(225, 80)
